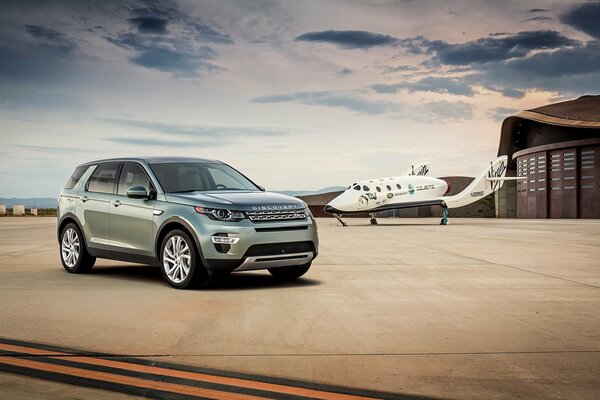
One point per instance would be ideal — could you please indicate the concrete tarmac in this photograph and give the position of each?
(481, 308)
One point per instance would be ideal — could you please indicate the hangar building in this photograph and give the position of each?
(557, 148)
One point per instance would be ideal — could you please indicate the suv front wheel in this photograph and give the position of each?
(73, 253)
(180, 264)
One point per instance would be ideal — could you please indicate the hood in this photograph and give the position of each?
(236, 200)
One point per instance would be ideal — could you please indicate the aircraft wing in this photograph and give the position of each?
(418, 169)
(388, 207)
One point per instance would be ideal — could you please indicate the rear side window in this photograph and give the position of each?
(103, 178)
(79, 171)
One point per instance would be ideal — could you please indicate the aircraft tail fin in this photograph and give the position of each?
(489, 181)
(417, 169)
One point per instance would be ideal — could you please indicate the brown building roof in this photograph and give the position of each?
(583, 112)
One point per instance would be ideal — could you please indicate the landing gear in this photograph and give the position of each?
(373, 219)
(339, 218)
(444, 220)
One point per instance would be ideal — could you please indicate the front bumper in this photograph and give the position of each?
(284, 236)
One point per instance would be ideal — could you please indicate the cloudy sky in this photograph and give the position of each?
(296, 94)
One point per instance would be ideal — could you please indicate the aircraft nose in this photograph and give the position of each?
(333, 207)
(331, 210)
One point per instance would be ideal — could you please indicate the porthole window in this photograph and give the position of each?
(398, 186)
(389, 187)
(378, 189)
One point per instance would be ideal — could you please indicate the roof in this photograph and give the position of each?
(154, 160)
(585, 108)
(583, 112)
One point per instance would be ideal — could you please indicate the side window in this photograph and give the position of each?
(79, 171)
(132, 174)
(103, 178)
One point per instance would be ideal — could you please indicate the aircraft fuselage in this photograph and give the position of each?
(388, 193)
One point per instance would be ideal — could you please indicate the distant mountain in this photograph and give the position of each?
(35, 202)
(50, 202)
(309, 192)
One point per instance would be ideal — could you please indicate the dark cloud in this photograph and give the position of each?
(429, 112)
(349, 39)
(150, 24)
(169, 40)
(51, 39)
(500, 113)
(210, 34)
(584, 17)
(346, 100)
(487, 49)
(537, 10)
(572, 70)
(344, 72)
(388, 69)
(514, 93)
(538, 18)
(205, 132)
(560, 63)
(456, 86)
(167, 54)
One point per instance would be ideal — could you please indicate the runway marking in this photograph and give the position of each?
(161, 380)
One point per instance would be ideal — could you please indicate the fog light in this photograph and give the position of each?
(224, 240)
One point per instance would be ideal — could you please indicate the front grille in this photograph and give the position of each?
(277, 215)
(272, 249)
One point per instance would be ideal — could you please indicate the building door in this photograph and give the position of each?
(589, 182)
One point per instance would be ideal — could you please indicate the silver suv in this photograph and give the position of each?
(194, 218)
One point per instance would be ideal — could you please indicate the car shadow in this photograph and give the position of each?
(139, 273)
(236, 281)
(255, 281)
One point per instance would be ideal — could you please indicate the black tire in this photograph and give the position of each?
(196, 274)
(289, 273)
(72, 242)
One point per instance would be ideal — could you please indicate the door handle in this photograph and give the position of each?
(84, 198)
(116, 203)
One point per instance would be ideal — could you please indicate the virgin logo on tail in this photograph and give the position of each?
(422, 171)
(496, 173)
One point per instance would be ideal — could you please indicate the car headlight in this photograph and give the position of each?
(219, 214)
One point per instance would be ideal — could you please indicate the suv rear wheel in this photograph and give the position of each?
(73, 253)
(180, 264)
(289, 273)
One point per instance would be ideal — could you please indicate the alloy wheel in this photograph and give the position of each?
(70, 247)
(177, 258)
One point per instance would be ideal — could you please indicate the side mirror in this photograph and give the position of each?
(262, 189)
(138, 192)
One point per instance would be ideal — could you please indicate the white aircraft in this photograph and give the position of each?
(415, 189)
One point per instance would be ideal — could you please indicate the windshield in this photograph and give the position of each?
(179, 177)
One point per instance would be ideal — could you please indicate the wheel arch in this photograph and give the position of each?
(176, 223)
(64, 221)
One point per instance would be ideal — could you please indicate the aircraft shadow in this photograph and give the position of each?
(236, 281)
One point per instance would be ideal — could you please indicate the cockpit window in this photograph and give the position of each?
(366, 188)
(356, 187)
(378, 189)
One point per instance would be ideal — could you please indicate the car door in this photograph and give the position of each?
(131, 220)
(94, 200)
